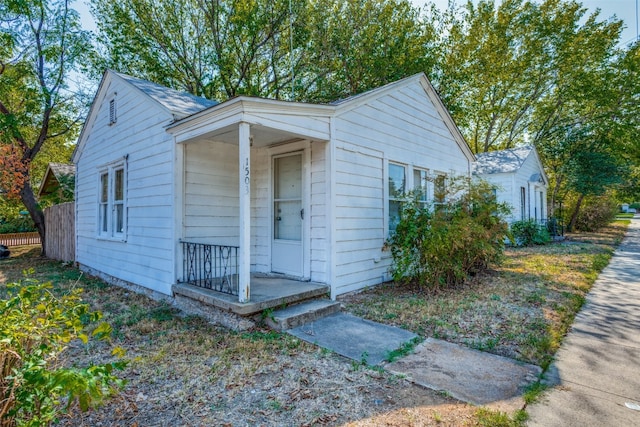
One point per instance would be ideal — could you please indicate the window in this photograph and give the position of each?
(420, 185)
(111, 205)
(523, 203)
(397, 181)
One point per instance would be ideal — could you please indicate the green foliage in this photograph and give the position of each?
(529, 232)
(439, 246)
(36, 326)
(405, 349)
(596, 213)
(20, 224)
(41, 45)
(321, 50)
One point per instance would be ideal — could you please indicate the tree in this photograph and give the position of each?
(357, 45)
(313, 50)
(212, 48)
(518, 72)
(41, 44)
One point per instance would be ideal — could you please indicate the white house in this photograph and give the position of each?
(172, 188)
(520, 181)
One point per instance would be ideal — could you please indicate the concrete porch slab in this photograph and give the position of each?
(266, 292)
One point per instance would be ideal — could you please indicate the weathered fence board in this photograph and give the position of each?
(19, 239)
(60, 233)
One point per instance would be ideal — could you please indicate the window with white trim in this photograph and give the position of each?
(112, 209)
(397, 186)
(421, 185)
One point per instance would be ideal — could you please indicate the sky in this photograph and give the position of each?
(622, 9)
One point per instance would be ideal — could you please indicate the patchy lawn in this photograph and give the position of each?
(521, 309)
(184, 371)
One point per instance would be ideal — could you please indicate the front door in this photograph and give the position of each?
(288, 215)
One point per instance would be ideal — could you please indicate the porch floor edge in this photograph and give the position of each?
(268, 293)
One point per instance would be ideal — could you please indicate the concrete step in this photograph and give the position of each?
(299, 314)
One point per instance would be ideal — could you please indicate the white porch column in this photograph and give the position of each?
(244, 145)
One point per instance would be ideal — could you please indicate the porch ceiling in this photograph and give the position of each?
(261, 136)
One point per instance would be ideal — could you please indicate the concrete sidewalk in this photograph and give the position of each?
(596, 374)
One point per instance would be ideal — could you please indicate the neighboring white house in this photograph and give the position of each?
(304, 190)
(519, 179)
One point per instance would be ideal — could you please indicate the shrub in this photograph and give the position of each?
(20, 224)
(35, 328)
(595, 213)
(439, 246)
(528, 233)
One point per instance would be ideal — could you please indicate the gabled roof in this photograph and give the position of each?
(337, 107)
(54, 178)
(503, 161)
(180, 104)
(177, 104)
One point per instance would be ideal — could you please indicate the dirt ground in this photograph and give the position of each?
(185, 372)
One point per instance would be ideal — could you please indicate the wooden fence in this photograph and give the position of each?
(19, 239)
(59, 221)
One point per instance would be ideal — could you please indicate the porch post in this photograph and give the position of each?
(244, 147)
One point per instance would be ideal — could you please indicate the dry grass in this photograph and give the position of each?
(184, 371)
(521, 309)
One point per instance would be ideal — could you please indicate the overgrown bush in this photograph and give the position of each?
(20, 224)
(35, 328)
(595, 213)
(440, 246)
(528, 233)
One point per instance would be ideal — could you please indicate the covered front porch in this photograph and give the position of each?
(267, 292)
(244, 211)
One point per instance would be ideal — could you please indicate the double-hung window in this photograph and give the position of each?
(112, 202)
(397, 185)
(421, 186)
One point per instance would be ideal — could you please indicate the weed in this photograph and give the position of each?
(405, 349)
(489, 418)
(267, 313)
(533, 392)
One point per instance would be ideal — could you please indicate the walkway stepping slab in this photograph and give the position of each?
(353, 337)
(468, 375)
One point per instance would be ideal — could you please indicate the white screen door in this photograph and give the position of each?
(288, 214)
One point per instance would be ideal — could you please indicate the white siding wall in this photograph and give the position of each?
(319, 235)
(146, 258)
(507, 192)
(509, 185)
(211, 193)
(212, 207)
(405, 128)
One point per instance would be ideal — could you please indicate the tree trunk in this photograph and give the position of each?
(574, 216)
(30, 202)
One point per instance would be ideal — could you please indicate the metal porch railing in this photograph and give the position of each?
(212, 267)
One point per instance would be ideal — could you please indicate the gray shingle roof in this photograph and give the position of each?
(62, 169)
(181, 104)
(501, 161)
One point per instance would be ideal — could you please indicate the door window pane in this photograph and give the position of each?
(288, 224)
(288, 173)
